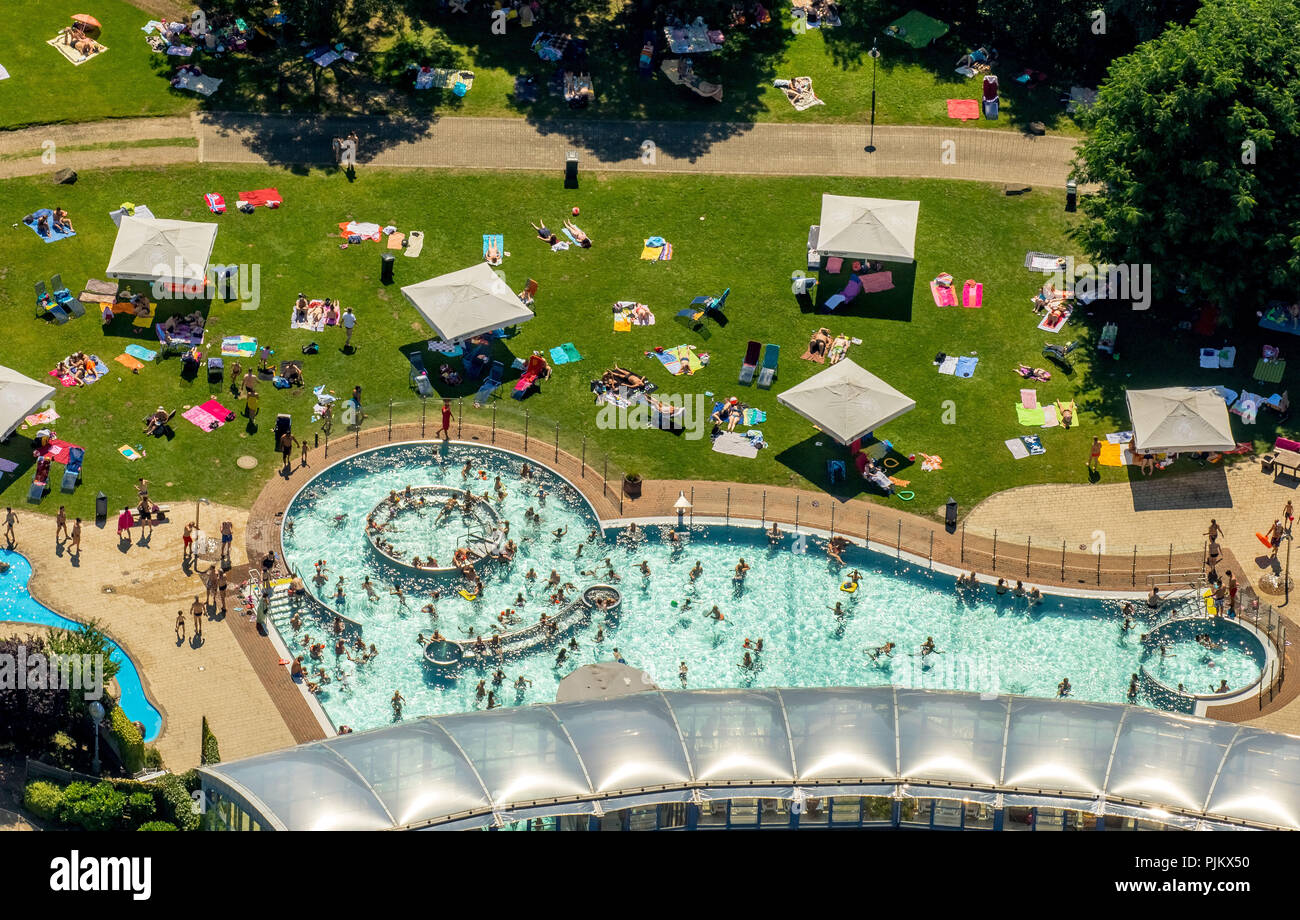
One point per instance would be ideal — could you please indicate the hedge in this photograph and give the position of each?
(96, 808)
(129, 742)
(157, 826)
(43, 799)
(210, 752)
(175, 803)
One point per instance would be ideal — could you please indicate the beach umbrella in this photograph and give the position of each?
(87, 20)
(20, 396)
(1179, 419)
(466, 303)
(846, 401)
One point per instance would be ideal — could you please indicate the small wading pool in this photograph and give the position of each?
(986, 642)
(17, 606)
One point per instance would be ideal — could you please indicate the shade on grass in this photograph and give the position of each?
(751, 238)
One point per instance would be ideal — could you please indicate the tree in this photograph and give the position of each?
(1194, 140)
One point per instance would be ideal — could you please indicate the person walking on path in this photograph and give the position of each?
(445, 430)
(210, 584)
(348, 322)
(10, 520)
(1275, 538)
(61, 524)
(1288, 515)
(1214, 531)
(1094, 457)
(303, 460)
(287, 441)
(222, 587)
(125, 521)
(76, 537)
(227, 539)
(197, 609)
(188, 538)
(180, 626)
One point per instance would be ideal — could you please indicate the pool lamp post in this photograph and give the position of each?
(875, 53)
(196, 510)
(96, 709)
(682, 505)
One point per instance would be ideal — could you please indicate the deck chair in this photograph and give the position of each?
(46, 307)
(532, 372)
(419, 374)
(750, 364)
(528, 293)
(491, 384)
(1060, 355)
(61, 294)
(40, 481)
(834, 470)
(72, 474)
(771, 355)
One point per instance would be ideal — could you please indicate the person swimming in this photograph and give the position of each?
(1063, 689)
(928, 647)
(696, 571)
(887, 650)
(715, 614)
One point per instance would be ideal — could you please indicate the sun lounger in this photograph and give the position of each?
(38, 488)
(1109, 333)
(771, 356)
(491, 384)
(72, 474)
(750, 362)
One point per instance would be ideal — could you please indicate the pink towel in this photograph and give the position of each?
(964, 109)
(876, 282)
(200, 418)
(972, 294)
(217, 411)
(943, 294)
(834, 264)
(1029, 399)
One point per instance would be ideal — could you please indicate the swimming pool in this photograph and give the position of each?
(18, 605)
(986, 642)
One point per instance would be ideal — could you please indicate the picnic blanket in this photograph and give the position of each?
(963, 109)
(565, 354)
(443, 78)
(414, 243)
(365, 230)
(317, 326)
(238, 346)
(1270, 371)
(57, 451)
(265, 197)
(875, 282)
(68, 380)
(1278, 318)
(966, 366)
(41, 418)
(202, 84)
(696, 38)
(737, 445)
(623, 318)
(917, 29)
(1042, 262)
(60, 44)
(656, 251)
(679, 360)
(209, 416)
(800, 92)
(54, 235)
(948, 365)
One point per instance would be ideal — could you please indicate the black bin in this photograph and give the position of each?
(101, 508)
(1071, 195)
(950, 514)
(571, 169)
(386, 268)
(283, 425)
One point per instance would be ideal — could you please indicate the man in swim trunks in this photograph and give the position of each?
(887, 650)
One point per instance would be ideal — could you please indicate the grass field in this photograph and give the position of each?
(745, 234)
(130, 80)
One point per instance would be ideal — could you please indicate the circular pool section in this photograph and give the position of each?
(1180, 654)
(788, 598)
(435, 524)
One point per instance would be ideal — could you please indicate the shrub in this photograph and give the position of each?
(43, 799)
(157, 826)
(141, 807)
(153, 758)
(210, 753)
(175, 804)
(96, 808)
(128, 739)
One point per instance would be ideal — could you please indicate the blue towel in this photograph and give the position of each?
(54, 234)
(500, 239)
(140, 352)
(565, 231)
(558, 356)
(966, 366)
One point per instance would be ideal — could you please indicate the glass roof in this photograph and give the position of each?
(474, 767)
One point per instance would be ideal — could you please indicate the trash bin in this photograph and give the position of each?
(571, 169)
(1071, 195)
(283, 425)
(950, 514)
(386, 268)
(101, 508)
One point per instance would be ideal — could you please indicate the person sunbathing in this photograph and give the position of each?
(140, 305)
(617, 376)
(543, 233)
(293, 374)
(300, 310)
(107, 315)
(820, 342)
(61, 221)
(1036, 373)
(157, 422)
(839, 348)
(581, 238)
(493, 255)
(43, 225)
(316, 313)
(331, 313)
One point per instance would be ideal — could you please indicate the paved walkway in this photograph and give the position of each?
(135, 594)
(510, 143)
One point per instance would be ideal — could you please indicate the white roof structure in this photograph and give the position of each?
(1179, 419)
(462, 771)
(868, 228)
(467, 303)
(20, 396)
(603, 680)
(846, 401)
(152, 249)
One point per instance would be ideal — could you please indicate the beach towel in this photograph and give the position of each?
(948, 365)
(216, 203)
(218, 411)
(202, 84)
(1033, 444)
(930, 462)
(1017, 448)
(58, 451)
(1029, 399)
(875, 282)
(754, 417)
(651, 253)
(1111, 455)
(238, 346)
(1050, 419)
(972, 294)
(54, 235)
(265, 197)
(395, 240)
(1210, 357)
(1033, 418)
(365, 230)
(963, 109)
(565, 354)
(1061, 320)
(966, 366)
(1227, 395)
(4, 74)
(1042, 262)
(737, 445)
(60, 44)
(129, 362)
(1119, 437)
(624, 320)
(130, 452)
(443, 78)
(294, 323)
(1228, 356)
(41, 418)
(414, 243)
(943, 294)
(141, 353)
(7, 466)
(800, 92)
(199, 417)
(666, 254)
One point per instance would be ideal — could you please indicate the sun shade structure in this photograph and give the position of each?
(19, 397)
(868, 228)
(468, 770)
(466, 303)
(603, 680)
(846, 401)
(152, 249)
(1179, 419)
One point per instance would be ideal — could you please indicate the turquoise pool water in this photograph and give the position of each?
(986, 642)
(18, 606)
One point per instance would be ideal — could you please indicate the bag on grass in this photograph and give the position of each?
(311, 348)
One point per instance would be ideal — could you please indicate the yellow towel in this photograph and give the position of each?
(650, 253)
(1111, 455)
(622, 323)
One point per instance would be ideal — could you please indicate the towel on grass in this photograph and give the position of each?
(943, 294)
(1064, 318)
(129, 362)
(7, 466)
(141, 353)
(1017, 448)
(754, 416)
(737, 445)
(202, 84)
(1210, 357)
(930, 462)
(239, 346)
(1119, 437)
(1050, 418)
(1112, 455)
(295, 323)
(60, 44)
(800, 92)
(200, 418)
(1034, 417)
(1029, 399)
(966, 366)
(218, 411)
(565, 354)
(948, 365)
(58, 451)
(679, 360)
(500, 241)
(265, 197)
(1042, 262)
(972, 294)
(963, 109)
(395, 240)
(41, 418)
(129, 452)
(365, 230)
(54, 235)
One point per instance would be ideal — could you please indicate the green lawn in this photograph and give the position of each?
(750, 238)
(130, 80)
(45, 88)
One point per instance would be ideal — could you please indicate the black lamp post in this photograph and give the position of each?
(875, 53)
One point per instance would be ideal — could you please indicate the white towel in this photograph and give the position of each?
(1017, 448)
(1049, 417)
(949, 365)
(1210, 357)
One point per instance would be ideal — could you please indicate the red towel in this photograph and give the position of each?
(216, 202)
(58, 451)
(262, 196)
(965, 109)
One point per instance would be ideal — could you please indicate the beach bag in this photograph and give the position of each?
(280, 383)
(311, 349)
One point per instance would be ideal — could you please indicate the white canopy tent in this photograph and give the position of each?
(1179, 419)
(152, 249)
(868, 228)
(466, 303)
(19, 397)
(846, 401)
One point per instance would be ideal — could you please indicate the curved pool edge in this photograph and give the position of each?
(35, 591)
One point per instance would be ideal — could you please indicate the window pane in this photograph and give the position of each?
(776, 812)
(917, 811)
(744, 811)
(815, 812)
(673, 815)
(1049, 819)
(713, 813)
(877, 808)
(1018, 818)
(643, 818)
(846, 809)
(979, 816)
(947, 813)
(573, 822)
(613, 820)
